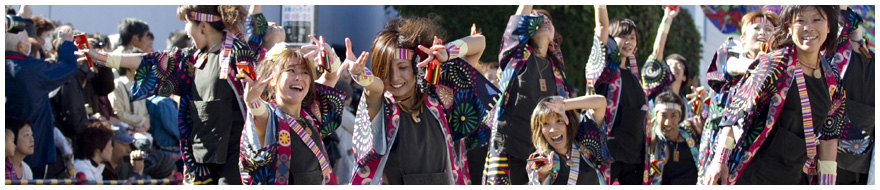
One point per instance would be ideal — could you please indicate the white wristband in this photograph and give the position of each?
(828, 167)
(113, 60)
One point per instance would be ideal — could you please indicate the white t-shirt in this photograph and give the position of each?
(26, 173)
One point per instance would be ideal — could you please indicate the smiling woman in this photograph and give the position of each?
(804, 109)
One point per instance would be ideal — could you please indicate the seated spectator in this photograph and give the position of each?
(10, 152)
(122, 167)
(133, 113)
(92, 149)
(163, 127)
(23, 140)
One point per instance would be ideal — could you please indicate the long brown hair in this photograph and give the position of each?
(405, 33)
(274, 66)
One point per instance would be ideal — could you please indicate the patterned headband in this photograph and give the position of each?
(761, 19)
(203, 17)
(667, 105)
(405, 54)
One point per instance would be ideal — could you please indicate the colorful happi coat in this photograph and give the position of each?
(171, 72)
(854, 139)
(721, 84)
(459, 101)
(658, 152)
(270, 163)
(752, 110)
(515, 52)
(603, 75)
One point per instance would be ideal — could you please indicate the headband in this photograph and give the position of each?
(203, 17)
(405, 54)
(761, 19)
(667, 105)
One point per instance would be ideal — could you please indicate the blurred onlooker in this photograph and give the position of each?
(121, 165)
(44, 31)
(28, 83)
(133, 113)
(92, 149)
(148, 42)
(163, 125)
(133, 34)
(178, 39)
(10, 151)
(491, 72)
(23, 140)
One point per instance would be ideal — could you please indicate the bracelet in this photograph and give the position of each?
(723, 155)
(457, 48)
(364, 79)
(827, 179)
(602, 6)
(335, 65)
(664, 28)
(113, 60)
(729, 143)
(828, 167)
(256, 108)
(101, 58)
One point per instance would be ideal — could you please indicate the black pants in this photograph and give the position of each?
(627, 173)
(845, 177)
(517, 173)
(476, 162)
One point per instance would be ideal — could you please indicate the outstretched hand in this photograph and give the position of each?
(355, 65)
(253, 89)
(318, 47)
(438, 51)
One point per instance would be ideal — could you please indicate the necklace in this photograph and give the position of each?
(413, 112)
(541, 82)
(675, 152)
(816, 72)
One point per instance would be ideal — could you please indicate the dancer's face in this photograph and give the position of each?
(756, 34)
(555, 133)
(294, 81)
(809, 30)
(627, 44)
(402, 82)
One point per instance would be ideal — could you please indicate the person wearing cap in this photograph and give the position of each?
(122, 166)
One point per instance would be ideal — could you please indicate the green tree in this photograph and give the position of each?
(575, 23)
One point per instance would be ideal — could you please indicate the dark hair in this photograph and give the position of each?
(669, 97)
(92, 136)
(623, 26)
(131, 27)
(782, 37)
(683, 61)
(42, 24)
(556, 36)
(231, 16)
(10, 10)
(542, 113)
(407, 33)
(103, 40)
(122, 70)
(178, 38)
(15, 124)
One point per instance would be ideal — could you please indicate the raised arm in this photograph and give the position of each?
(373, 86)
(331, 65)
(663, 31)
(602, 23)
(470, 48)
(524, 10)
(596, 103)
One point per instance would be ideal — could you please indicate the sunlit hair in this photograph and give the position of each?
(406, 33)
(542, 114)
(277, 60)
(231, 16)
(782, 37)
(767, 16)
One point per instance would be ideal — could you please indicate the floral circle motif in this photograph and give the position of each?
(363, 171)
(284, 138)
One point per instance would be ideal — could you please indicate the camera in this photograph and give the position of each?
(15, 24)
